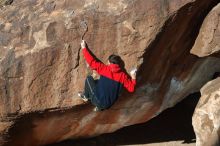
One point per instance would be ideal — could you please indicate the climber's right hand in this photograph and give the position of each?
(83, 44)
(133, 73)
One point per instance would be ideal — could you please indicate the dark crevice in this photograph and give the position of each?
(216, 75)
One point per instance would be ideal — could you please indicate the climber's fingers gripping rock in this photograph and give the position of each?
(133, 73)
(83, 44)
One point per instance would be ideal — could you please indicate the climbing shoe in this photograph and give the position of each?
(80, 94)
(96, 109)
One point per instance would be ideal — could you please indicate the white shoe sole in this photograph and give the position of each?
(83, 98)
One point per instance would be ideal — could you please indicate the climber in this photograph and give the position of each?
(104, 92)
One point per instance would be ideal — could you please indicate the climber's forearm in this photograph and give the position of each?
(93, 63)
(88, 57)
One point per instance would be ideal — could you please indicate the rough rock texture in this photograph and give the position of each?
(206, 118)
(42, 69)
(5, 2)
(208, 40)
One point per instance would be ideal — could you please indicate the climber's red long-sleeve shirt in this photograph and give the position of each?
(112, 78)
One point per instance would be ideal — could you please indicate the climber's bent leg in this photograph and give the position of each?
(89, 92)
(89, 89)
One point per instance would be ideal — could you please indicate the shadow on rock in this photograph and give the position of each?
(174, 124)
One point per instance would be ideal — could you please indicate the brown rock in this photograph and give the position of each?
(5, 2)
(42, 69)
(208, 40)
(207, 115)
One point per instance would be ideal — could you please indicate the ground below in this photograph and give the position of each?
(173, 127)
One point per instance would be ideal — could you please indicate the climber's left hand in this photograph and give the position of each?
(83, 44)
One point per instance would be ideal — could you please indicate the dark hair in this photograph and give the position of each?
(115, 59)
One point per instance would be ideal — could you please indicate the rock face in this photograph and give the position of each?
(207, 115)
(208, 40)
(42, 68)
(206, 118)
(5, 2)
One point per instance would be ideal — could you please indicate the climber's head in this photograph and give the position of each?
(114, 59)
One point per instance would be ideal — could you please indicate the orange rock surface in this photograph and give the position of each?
(42, 68)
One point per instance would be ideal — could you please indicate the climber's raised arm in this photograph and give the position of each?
(93, 63)
(130, 82)
(103, 92)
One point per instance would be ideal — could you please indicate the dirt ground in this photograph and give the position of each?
(171, 128)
